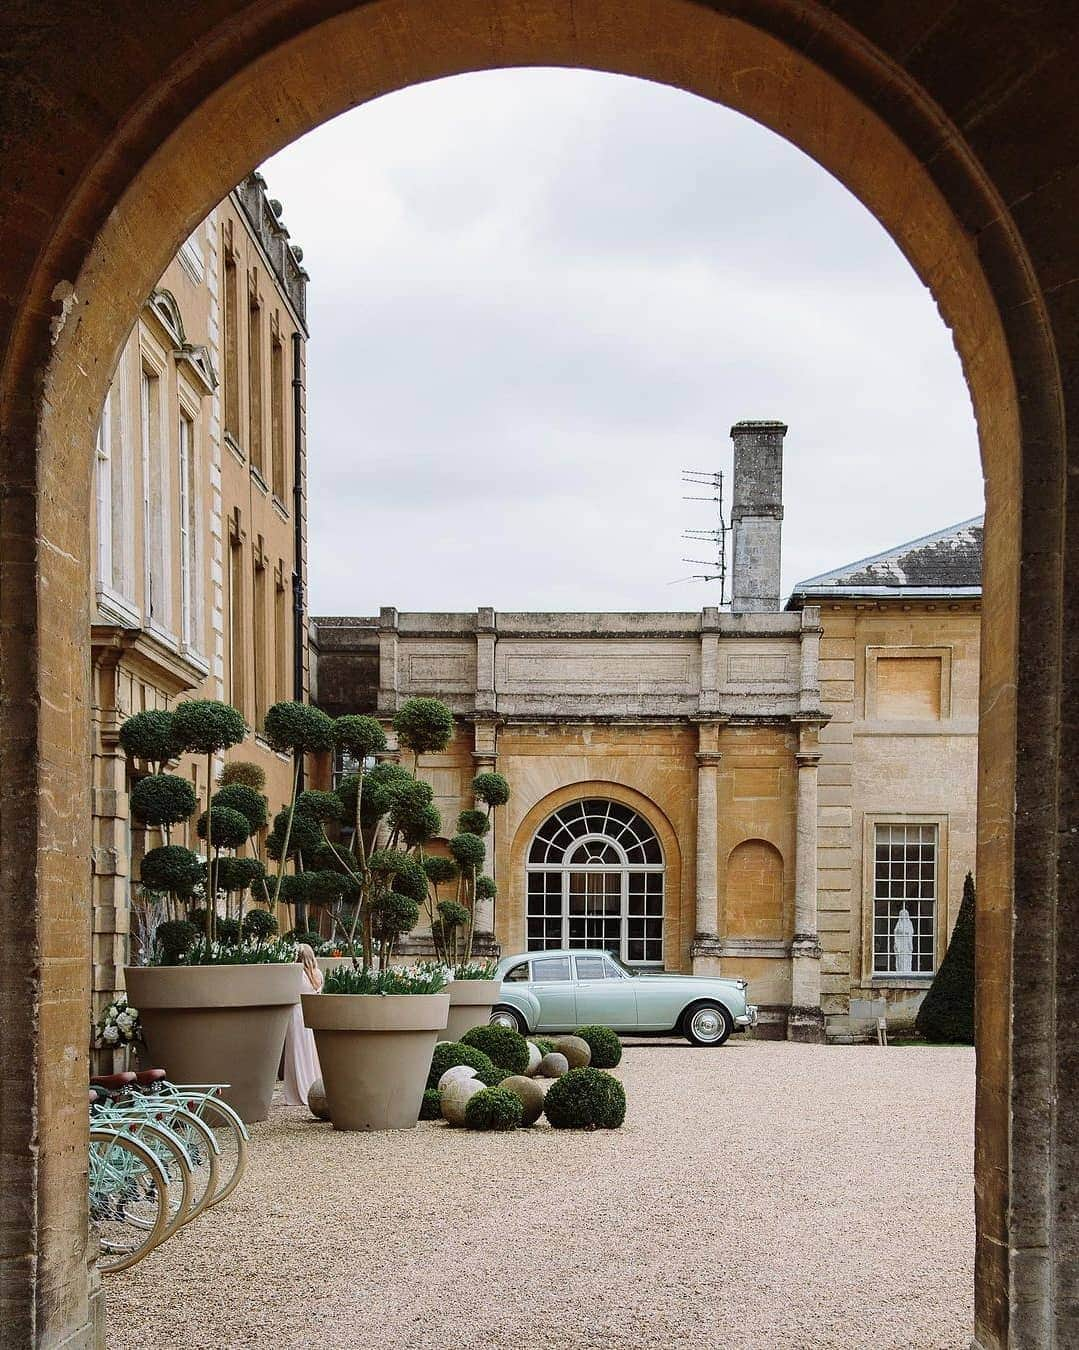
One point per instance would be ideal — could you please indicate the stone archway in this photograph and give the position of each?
(118, 131)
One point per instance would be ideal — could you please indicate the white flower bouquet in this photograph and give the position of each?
(119, 1025)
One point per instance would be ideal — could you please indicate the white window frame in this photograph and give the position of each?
(104, 504)
(156, 462)
(938, 923)
(623, 870)
(188, 523)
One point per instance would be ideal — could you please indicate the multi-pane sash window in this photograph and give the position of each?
(595, 879)
(904, 899)
(188, 531)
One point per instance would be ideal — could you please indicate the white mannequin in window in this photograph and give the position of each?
(903, 943)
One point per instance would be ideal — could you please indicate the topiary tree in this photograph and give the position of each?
(240, 797)
(503, 1046)
(172, 939)
(162, 800)
(494, 1109)
(448, 1054)
(947, 1011)
(259, 925)
(174, 871)
(297, 729)
(473, 822)
(150, 736)
(243, 772)
(424, 726)
(586, 1099)
(605, 1045)
(431, 1105)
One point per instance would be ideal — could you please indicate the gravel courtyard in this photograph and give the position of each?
(760, 1197)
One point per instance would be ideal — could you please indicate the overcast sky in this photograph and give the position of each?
(537, 295)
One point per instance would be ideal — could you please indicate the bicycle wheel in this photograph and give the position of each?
(231, 1135)
(128, 1198)
(170, 1152)
(204, 1152)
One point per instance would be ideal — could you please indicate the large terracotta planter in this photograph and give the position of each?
(217, 1024)
(375, 1052)
(471, 1002)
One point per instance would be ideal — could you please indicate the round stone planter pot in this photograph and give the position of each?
(217, 1024)
(471, 1002)
(375, 1052)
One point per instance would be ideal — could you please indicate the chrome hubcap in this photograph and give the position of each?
(707, 1024)
(502, 1019)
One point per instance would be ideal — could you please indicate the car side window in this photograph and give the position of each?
(591, 967)
(518, 972)
(550, 969)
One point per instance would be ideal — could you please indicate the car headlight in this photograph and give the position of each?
(742, 984)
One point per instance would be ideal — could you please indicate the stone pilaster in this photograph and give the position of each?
(705, 949)
(485, 760)
(806, 1021)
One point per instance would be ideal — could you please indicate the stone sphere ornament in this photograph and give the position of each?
(553, 1065)
(455, 1098)
(535, 1054)
(316, 1100)
(458, 1071)
(529, 1093)
(577, 1051)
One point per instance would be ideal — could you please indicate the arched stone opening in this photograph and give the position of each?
(118, 136)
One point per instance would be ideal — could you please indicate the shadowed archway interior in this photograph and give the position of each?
(119, 131)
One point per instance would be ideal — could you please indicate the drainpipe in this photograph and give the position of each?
(299, 605)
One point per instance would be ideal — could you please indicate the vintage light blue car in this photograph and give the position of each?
(559, 990)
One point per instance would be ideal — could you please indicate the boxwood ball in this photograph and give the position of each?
(586, 1099)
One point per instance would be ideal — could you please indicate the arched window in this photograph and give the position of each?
(595, 879)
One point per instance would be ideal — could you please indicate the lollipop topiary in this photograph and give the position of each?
(320, 806)
(239, 874)
(244, 772)
(423, 725)
(448, 1054)
(204, 726)
(359, 736)
(586, 1099)
(505, 1047)
(150, 736)
(163, 799)
(249, 803)
(171, 868)
(431, 1105)
(605, 1045)
(491, 788)
(493, 1109)
(451, 915)
(227, 828)
(298, 729)
(486, 888)
(172, 939)
(259, 925)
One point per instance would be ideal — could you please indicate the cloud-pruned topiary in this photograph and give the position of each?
(586, 1099)
(151, 736)
(171, 868)
(239, 874)
(298, 728)
(605, 1045)
(423, 725)
(448, 1054)
(414, 814)
(473, 822)
(440, 870)
(359, 736)
(320, 806)
(452, 915)
(242, 771)
(204, 726)
(392, 915)
(505, 1047)
(486, 888)
(468, 851)
(305, 835)
(228, 828)
(249, 803)
(493, 1109)
(491, 788)
(163, 799)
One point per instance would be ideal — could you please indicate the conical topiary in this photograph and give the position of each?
(947, 1011)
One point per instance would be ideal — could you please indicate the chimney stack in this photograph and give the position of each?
(757, 516)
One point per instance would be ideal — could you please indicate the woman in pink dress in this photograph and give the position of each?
(301, 1057)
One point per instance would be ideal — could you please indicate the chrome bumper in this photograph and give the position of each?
(750, 1018)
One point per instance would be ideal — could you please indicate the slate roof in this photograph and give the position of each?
(946, 563)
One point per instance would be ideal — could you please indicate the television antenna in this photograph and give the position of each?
(716, 566)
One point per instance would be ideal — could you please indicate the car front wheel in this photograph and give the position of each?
(706, 1024)
(501, 1016)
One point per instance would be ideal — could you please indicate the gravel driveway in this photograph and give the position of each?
(760, 1197)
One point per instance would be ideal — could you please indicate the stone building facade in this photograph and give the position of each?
(199, 521)
(717, 791)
